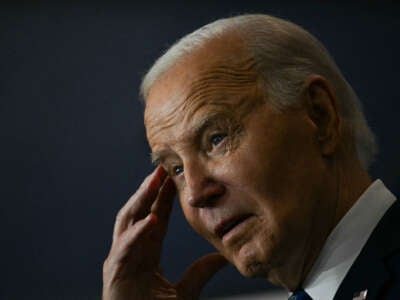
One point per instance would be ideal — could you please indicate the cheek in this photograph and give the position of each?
(191, 214)
(197, 225)
(187, 212)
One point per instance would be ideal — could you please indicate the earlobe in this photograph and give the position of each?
(320, 102)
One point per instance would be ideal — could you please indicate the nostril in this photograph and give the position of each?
(212, 200)
(207, 196)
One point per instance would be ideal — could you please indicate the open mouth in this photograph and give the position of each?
(226, 226)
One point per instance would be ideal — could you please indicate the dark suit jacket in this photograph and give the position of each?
(377, 268)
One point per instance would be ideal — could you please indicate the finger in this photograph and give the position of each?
(198, 274)
(123, 247)
(162, 207)
(138, 206)
(122, 262)
(146, 235)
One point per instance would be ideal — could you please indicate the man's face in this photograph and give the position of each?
(248, 177)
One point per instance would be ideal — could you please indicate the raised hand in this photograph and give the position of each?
(131, 270)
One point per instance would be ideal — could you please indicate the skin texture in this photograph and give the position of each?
(264, 187)
(131, 270)
(275, 167)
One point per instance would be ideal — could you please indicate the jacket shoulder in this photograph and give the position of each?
(377, 268)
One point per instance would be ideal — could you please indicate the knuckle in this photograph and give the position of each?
(120, 215)
(106, 265)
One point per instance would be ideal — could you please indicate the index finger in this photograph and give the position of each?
(138, 205)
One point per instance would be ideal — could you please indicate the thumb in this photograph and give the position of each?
(198, 274)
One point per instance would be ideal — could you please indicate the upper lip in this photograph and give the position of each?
(227, 224)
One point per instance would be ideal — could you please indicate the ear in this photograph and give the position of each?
(321, 105)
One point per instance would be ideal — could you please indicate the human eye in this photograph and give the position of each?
(216, 142)
(217, 139)
(219, 135)
(176, 170)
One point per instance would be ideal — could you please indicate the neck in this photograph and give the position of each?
(346, 184)
(351, 181)
(348, 181)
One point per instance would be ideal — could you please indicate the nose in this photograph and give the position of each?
(201, 188)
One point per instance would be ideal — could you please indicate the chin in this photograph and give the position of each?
(250, 264)
(254, 270)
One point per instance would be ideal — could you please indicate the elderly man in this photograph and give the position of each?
(254, 126)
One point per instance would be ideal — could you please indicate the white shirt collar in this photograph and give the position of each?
(345, 242)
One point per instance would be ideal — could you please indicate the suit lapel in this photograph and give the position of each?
(369, 271)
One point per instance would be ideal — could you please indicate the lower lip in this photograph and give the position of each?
(237, 230)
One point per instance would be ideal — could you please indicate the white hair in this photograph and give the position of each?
(285, 55)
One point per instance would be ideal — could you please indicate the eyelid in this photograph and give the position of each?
(223, 135)
(170, 168)
(173, 170)
(210, 146)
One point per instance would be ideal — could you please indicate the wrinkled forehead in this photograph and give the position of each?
(214, 78)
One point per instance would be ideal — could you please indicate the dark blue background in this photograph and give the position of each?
(73, 146)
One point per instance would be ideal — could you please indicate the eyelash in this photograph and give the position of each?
(217, 139)
(175, 171)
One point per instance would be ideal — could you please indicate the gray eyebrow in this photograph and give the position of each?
(158, 157)
(203, 124)
(209, 120)
(155, 159)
